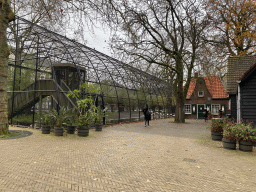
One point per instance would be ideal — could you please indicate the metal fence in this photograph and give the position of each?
(40, 55)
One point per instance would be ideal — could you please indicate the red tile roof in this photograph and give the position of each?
(213, 85)
(191, 88)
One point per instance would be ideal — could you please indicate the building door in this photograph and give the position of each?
(200, 111)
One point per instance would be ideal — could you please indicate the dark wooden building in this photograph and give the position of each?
(237, 68)
(246, 96)
(205, 93)
(68, 73)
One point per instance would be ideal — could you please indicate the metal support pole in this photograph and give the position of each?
(139, 108)
(51, 101)
(119, 113)
(35, 87)
(130, 109)
(159, 115)
(152, 106)
(14, 76)
(103, 107)
(164, 112)
(40, 109)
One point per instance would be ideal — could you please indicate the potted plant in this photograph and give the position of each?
(216, 127)
(86, 107)
(59, 118)
(71, 121)
(247, 135)
(99, 119)
(47, 121)
(230, 135)
(84, 121)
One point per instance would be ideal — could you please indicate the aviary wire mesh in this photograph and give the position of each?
(37, 54)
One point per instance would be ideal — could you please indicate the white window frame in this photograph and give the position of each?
(213, 107)
(201, 95)
(186, 112)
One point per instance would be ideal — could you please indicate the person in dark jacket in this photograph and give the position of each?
(147, 115)
(205, 115)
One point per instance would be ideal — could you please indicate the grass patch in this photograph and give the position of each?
(25, 119)
(10, 135)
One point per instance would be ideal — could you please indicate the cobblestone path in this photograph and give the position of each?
(127, 157)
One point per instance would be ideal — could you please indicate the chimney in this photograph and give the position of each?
(196, 75)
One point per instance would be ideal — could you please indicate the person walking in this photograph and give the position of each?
(147, 115)
(205, 115)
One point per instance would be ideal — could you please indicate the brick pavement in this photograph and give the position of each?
(128, 157)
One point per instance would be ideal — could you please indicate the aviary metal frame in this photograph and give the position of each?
(125, 89)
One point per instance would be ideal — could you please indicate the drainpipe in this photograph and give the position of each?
(238, 102)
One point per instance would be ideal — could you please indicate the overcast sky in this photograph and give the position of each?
(99, 40)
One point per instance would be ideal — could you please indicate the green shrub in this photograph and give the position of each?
(25, 119)
(246, 132)
(217, 125)
(230, 130)
(242, 131)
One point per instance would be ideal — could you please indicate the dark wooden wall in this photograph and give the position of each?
(248, 99)
(233, 107)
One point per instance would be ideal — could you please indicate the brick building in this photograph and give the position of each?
(205, 93)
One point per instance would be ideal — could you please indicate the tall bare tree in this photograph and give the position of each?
(6, 15)
(153, 30)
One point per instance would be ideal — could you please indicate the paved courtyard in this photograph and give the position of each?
(127, 157)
